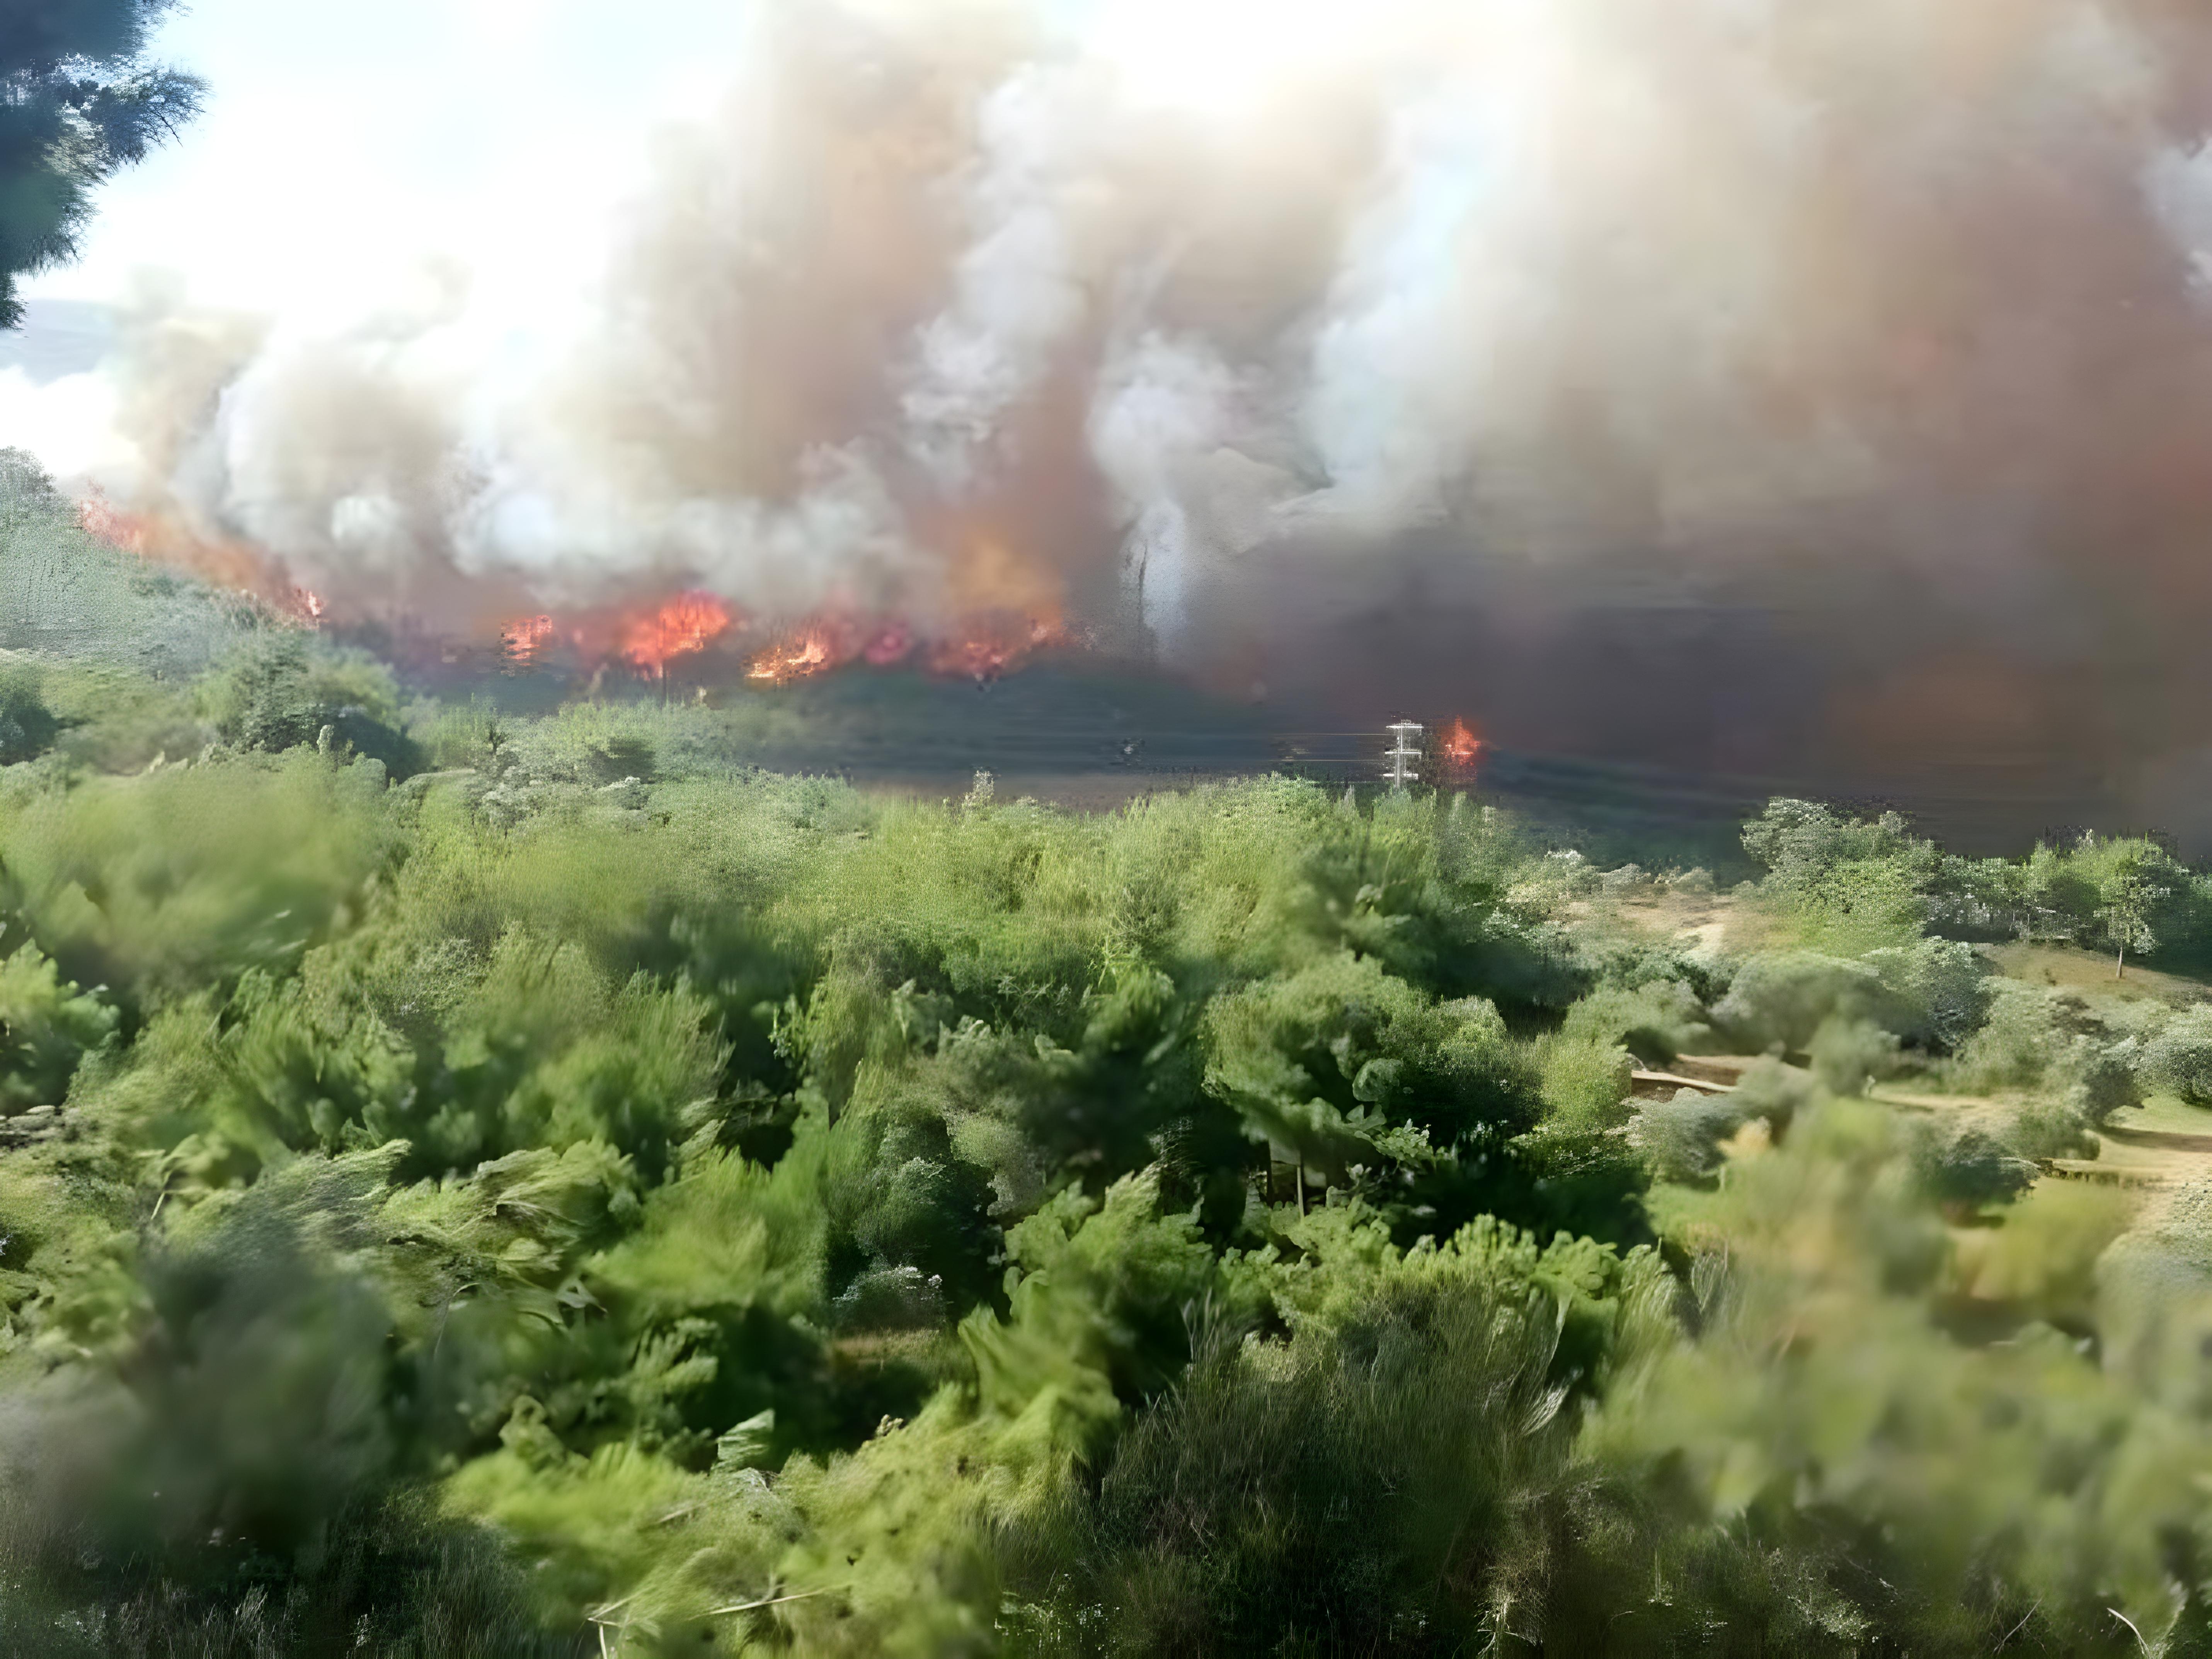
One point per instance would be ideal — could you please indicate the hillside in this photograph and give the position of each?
(478, 1182)
(63, 594)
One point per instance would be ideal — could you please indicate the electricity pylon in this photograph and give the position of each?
(1403, 754)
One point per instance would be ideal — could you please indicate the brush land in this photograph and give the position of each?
(481, 1184)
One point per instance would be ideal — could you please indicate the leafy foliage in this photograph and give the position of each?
(276, 692)
(596, 1196)
(78, 101)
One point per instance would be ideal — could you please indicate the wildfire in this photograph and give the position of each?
(809, 651)
(1461, 746)
(1000, 608)
(104, 520)
(988, 646)
(980, 648)
(165, 538)
(522, 639)
(828, 640)
(687, 622)
(890, 643)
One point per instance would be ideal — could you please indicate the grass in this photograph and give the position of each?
(2090, 972)
(2166, 1114)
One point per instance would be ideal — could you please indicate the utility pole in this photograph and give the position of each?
(1403, 754)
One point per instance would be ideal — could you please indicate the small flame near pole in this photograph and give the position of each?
(1461, 747)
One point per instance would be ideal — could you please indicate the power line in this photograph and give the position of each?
(1403, 754)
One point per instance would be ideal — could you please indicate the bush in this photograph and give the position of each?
(1380, 1481)
(1849, 883)
(2048, 1129)
(283, 689)
(27, 726)
(1971, 1170)
(1932, 995)
(1782, 998)
(1584, 1080)
(2177, 1059)
(241, 1469)
(1847, 1054)
(2099, 1077)
(1941, 990)
(190, 876)
(2037, 1039)
(1680, 1137)
(1655, 1021)
(2024, 1039)
(47, 1026)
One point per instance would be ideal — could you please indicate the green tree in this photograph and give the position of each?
(78, 101)
(1850, 884)
(2129, 894)
(281, 690)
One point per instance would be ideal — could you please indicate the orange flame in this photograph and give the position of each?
(1461, 746)
(687, 622)
(981, 647)
(523, 638)
(830, 641)
(1005, 606)
(106, 522)
(815, 647)
(162, 537)
(807, 652)
(990, 646)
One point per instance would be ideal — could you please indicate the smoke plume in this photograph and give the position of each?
(1778, 387)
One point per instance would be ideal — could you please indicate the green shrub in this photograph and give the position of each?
(27, 726)
(1847, 1054)
(1972, 1169)
(2177, 1059)
(242, 1468)
(1585, 1081)
(47, 1025)
(194, 874)
(1382, 1480)
(2099, 1077)
(1654, 1021)
(283, 690)
(602, 1189)
(1682, 1138)
(1782, 998)
(2024, 1040)
(1941, 992)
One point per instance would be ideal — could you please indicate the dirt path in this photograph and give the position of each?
(2163, 1146)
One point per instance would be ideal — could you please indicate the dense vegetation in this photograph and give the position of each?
(472, 1185)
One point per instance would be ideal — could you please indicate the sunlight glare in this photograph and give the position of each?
(1221, 56)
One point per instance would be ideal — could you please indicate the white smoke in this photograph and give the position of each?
(1173, 299)
(1019, 287)
(68, 421)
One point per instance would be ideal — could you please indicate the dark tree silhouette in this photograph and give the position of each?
(78, 101)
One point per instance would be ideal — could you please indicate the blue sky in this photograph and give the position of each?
(343, 138)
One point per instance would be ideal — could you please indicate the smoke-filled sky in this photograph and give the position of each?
(1771, 385)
